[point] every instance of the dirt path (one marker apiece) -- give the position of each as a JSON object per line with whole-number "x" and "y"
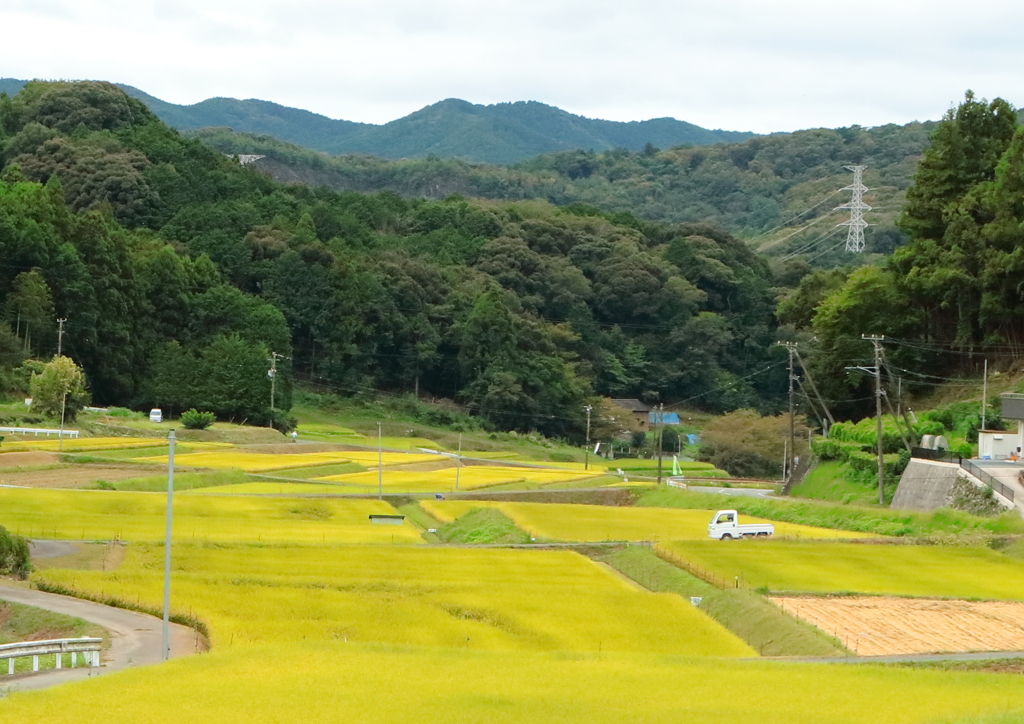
{"x": 135, "y": 638}
{"x": 887, "y": 626}
{"x": 75, "y": 476}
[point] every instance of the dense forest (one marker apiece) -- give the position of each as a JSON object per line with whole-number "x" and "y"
{"x": 779, "y": 191}
{"x": 180, "y": 272}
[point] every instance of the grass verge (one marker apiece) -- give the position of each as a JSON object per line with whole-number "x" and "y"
{"x": 828, "y": 481}
{"x": 844, "y": 517}
{"x": 763, "y": 625}
{"x": 182, "y": 481}
{"x": 483, "y": 525}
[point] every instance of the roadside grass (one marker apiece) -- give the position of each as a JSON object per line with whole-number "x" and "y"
{"x": 1015, "y": 550}
{"x": 898, "y": 570}
{"x": 828, "y": 481}
{"x": 644, "y": 466}
{"x": 590, "y": 523}
{"x": 1005, "y": 665}
{"x": 460, "y": 598}
{"x": 334, "y": 681}
{"x": 276, "y": 487}
{"x": 482, "y": 525}
{"x": 94, "y": 515}
{"x": 764, "y": 626}
{"x": 182, "y": 481}
{"x": 80, "y": 444}
{"x": 28, "y": 623}
{"x": 422, "y": 520}
{"x": 882, "y": 521}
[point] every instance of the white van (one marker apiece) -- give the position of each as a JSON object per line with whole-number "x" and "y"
{"x": 156, "y": 415}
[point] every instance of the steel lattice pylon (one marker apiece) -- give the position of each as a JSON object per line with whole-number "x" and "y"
{"x": 857, "y": 207}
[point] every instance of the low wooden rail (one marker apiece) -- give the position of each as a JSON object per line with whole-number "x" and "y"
{"x": 89, "y": 647}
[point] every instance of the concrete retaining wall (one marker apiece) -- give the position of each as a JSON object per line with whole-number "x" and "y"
{"x": 925, "y": 485}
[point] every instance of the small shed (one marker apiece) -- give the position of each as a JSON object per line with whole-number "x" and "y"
{"x": 384, "y": 519}
{"x": 641, "y": 412}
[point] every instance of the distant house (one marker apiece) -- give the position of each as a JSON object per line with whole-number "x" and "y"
{"x": 641, "y": 412}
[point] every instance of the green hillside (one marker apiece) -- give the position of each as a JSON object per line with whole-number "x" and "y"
{"x": 766, "y": 189}
{"x": 499, "y": 133}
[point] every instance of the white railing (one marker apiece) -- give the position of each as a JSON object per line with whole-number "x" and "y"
{"x": 58, "y": 648}
{"x": 37, "y": 431}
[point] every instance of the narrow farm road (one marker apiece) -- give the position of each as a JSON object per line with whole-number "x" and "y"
{"x": 135, "y": 638}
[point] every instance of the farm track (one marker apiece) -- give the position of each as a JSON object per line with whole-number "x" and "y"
{"x": 135, "y": 638}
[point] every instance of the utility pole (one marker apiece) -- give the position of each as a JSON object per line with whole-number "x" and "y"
{"x": 380, "y": 462}
{"x": 788, "y": 467}
{"x": 586, "y": 452}
{"x": 167, "y": 548}
{"x": 458, "y": 463}
{"x": 877, "y": 342}
{"x": 60, "y": 335}
{"x": 661, "y": 431}
{"x": 984, "y": 395}
{"x": 857, "y": 207}
{"x": 272, "y": 374}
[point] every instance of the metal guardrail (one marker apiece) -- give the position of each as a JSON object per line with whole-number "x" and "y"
{"x": 57, "y": 648}
{"x": 989, "y": 480}
{"x": 37, "y": 431}
{"x": 941, "y": 456}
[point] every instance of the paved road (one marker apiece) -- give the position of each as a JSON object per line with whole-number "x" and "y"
{"x": 135, "y": 638}
{"x": 51, "y": 548}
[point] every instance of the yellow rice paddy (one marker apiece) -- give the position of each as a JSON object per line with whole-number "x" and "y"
{"x": 599, "y": 522}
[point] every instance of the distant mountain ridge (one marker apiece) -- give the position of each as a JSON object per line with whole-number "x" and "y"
{"x": 499, "y": 133}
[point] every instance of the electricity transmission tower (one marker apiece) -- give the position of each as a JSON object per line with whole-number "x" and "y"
{"x": 857, "y": 207}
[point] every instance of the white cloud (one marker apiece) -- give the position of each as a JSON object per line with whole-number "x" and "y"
{"x": 735, "y": 64}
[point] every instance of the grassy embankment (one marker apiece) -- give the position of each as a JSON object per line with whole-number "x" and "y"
{"x": 881, "y": 521}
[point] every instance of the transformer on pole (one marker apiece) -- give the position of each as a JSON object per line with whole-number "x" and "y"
{"x": 857, "y": 207}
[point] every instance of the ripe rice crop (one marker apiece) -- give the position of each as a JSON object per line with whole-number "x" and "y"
{"x": 470, "y": 477}
{"x": 130, "y": 516}
{"x": 251, "y": 462}
{"x": 582, "y": 523}
{"x": 346, "y": 682}
{"x": 80, "y": 444}
{"x": 899, "y": 570}
{"x": 449, "y": 597}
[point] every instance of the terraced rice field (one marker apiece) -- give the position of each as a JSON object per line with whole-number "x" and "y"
{"x": 341, "y": 682}
{"x": 459, "y": 598}
{"x": 899, "y": 570}
{"x": 82, "y": 444}
{"x": 107, "y": 515}
{"x": 599, "y": 523}
{"x": 470, "y": 477}
{"x": 261, "y": 462}
{"x": 881, "y": 625}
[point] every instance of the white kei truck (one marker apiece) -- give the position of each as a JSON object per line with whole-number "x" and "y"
{"x": 723, "y": 526}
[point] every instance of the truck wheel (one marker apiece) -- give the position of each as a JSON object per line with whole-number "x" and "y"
{"x": 725, "y": 536}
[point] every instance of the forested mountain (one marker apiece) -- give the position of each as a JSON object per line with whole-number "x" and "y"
{"x": 179, "y": 271}
{"x": 452, "y": 128}
{"x": 764, "y": 189}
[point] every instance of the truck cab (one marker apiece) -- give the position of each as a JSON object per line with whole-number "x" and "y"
{"x": 724, "y": 525}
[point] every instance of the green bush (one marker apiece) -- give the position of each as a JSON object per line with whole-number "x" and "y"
{"x": 14, "y": 554}
{"x": 195, "y": 420}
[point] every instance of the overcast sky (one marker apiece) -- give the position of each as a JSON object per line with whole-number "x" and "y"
{"x": 732, "y": 64}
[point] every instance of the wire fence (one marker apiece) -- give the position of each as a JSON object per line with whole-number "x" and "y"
{"x": 699, "y": 571}
{"x": 989, "y": 480}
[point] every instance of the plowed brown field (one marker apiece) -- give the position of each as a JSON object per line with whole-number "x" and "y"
{"x": 881, "y": 625}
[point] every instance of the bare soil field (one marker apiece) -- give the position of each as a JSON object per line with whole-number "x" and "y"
{"x": 30, "y": 459}
{"x": 73, "y": 476}
{"x": 882, "y": 625}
